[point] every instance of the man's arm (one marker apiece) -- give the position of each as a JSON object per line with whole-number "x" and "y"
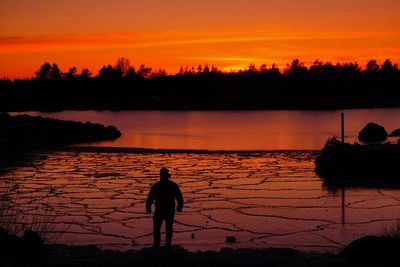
{"x": 179, "y": 198}
{"x": 150, "y": 200}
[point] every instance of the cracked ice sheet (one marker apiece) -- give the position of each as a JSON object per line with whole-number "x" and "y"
{"x": 270, "y": 199}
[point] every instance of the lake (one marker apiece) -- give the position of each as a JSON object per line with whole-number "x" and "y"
{"x": 231, "y": 130}
{"x": 270, "y": 198}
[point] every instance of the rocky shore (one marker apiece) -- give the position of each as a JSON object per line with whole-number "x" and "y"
{"x": 29, "y": 250}
{"x": 21, "y": 134}
{"x": 63, "y": 255}
{"x": 178, "y": 256}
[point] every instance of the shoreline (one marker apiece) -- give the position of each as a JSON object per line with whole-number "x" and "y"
{"x": 137, "y": 150}
{"x": 61, "y": 255}
{"x": 184, "y": 109}
{"x": 359, "y": 253}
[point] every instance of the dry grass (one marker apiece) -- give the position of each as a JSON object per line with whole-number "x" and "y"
{"x": 392, "y": 232}
{"x": 9, "y": 215}
{"x": 39, "y": 218}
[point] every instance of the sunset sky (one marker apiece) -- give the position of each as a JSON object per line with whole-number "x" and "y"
{"x": 166, "y": 34}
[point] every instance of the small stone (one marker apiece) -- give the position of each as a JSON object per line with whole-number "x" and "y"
{"x": 230, "y": 239}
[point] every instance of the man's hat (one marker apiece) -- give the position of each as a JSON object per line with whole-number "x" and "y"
{"x": 164, "y": 172}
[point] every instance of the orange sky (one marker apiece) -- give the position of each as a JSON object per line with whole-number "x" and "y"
{"x": 167, "y": 34}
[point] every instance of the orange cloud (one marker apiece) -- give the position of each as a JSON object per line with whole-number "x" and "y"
{"x": 229, "y": 49}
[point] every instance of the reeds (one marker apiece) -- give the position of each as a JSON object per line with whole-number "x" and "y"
{"x": 15, "y": 217}
{"x": 392, "y": 232}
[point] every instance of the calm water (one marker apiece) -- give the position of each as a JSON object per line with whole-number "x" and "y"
{"x": 236, "y": 130}
{"x": 264, "y": 199}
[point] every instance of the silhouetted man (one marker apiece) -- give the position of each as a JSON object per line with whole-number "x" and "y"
{"x": 164, "y": 192}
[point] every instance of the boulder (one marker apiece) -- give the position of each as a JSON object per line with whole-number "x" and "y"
{"x": 3, "y": 233}
{"x": 32, "y": 243}
{"x": 10, "y": 246}
{"x": 372, "y": 132}
{"x": 396, "y": 132}
{"x": 3, "y": 242}
{"x": 372, "y": 249}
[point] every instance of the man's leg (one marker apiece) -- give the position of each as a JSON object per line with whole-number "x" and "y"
{"x": 169, "y": 221}
{"x": 157, "y": 222}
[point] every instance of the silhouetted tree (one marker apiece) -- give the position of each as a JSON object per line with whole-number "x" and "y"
{"x": 317, "y": 67}
{"x": 47, "y": 72}
{"x": 159, "y": 73}
{"x": 44, "y": 71}
{"x": 349, "y": 68}
{"x": 123, "y": 65}
{"x": 372, "y": 66}
{"x": 186, "y": 71}
{"x": 200, "y": 69}
{"x": 296, "y": 68}
{"x": 85, "y": 74}
{"x": 144, "y": 72}
{"x": 214, "y": 69}
{"x": 206, "y": 69}
{"x": 110, "y": 73}
{"x": 387, "y": 67}
{"x": 252, "y": 68}
{"x": 131, "y": 73}
{"x": 72, "y": 73}
{"x": 274, "y": 69}
{"x": 263, "y": 68}
{"x": 55, "y": 73}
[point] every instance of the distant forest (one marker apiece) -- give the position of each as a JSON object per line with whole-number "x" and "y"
{"x": 322, "y": 85}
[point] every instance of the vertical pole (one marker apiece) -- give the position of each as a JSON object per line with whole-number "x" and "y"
{"x": 343, "y": 204}
{"x": 342, "y": 127}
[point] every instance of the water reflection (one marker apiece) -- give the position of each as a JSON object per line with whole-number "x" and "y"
{"x": 336, "y": 181}
{"x": 232, "y": 130}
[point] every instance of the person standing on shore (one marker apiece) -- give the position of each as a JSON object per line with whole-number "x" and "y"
{"x": 164, "y": 193}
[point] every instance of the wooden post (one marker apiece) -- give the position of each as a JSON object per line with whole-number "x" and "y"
{"x": 342, "y": 127}
{"x": 343, "y": 207}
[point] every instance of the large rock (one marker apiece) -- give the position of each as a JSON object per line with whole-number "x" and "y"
{"x": 372, "y": 249}
{"x": 33, "y": 244}
{"x": 14, "y": 249}
{"x": 3, "y": 242}
{"x": 372, "y": 132}
{"x": 396, "y": 132}
{"x": 10, "y": 246}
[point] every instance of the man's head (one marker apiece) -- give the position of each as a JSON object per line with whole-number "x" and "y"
{"x": 164, "y": 173}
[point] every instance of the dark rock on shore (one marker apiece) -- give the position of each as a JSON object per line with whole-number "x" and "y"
{"x": 372, "y": 133}
{"x": 14, "y": 249}
{"x": 33, "y": 244}
{"x": 396, "y": 132}
{"x": 373, "y": 249}
{"x": 59, "y": 255}
{"x": 366, "y": 251}
{"x": 19, "y": 135}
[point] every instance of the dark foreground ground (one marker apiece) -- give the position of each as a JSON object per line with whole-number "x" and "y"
{"x": 59, "y": 255}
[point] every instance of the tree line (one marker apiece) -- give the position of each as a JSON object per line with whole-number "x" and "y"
{"x": 124, "y": 70}
{"x": 321, "y": 85}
